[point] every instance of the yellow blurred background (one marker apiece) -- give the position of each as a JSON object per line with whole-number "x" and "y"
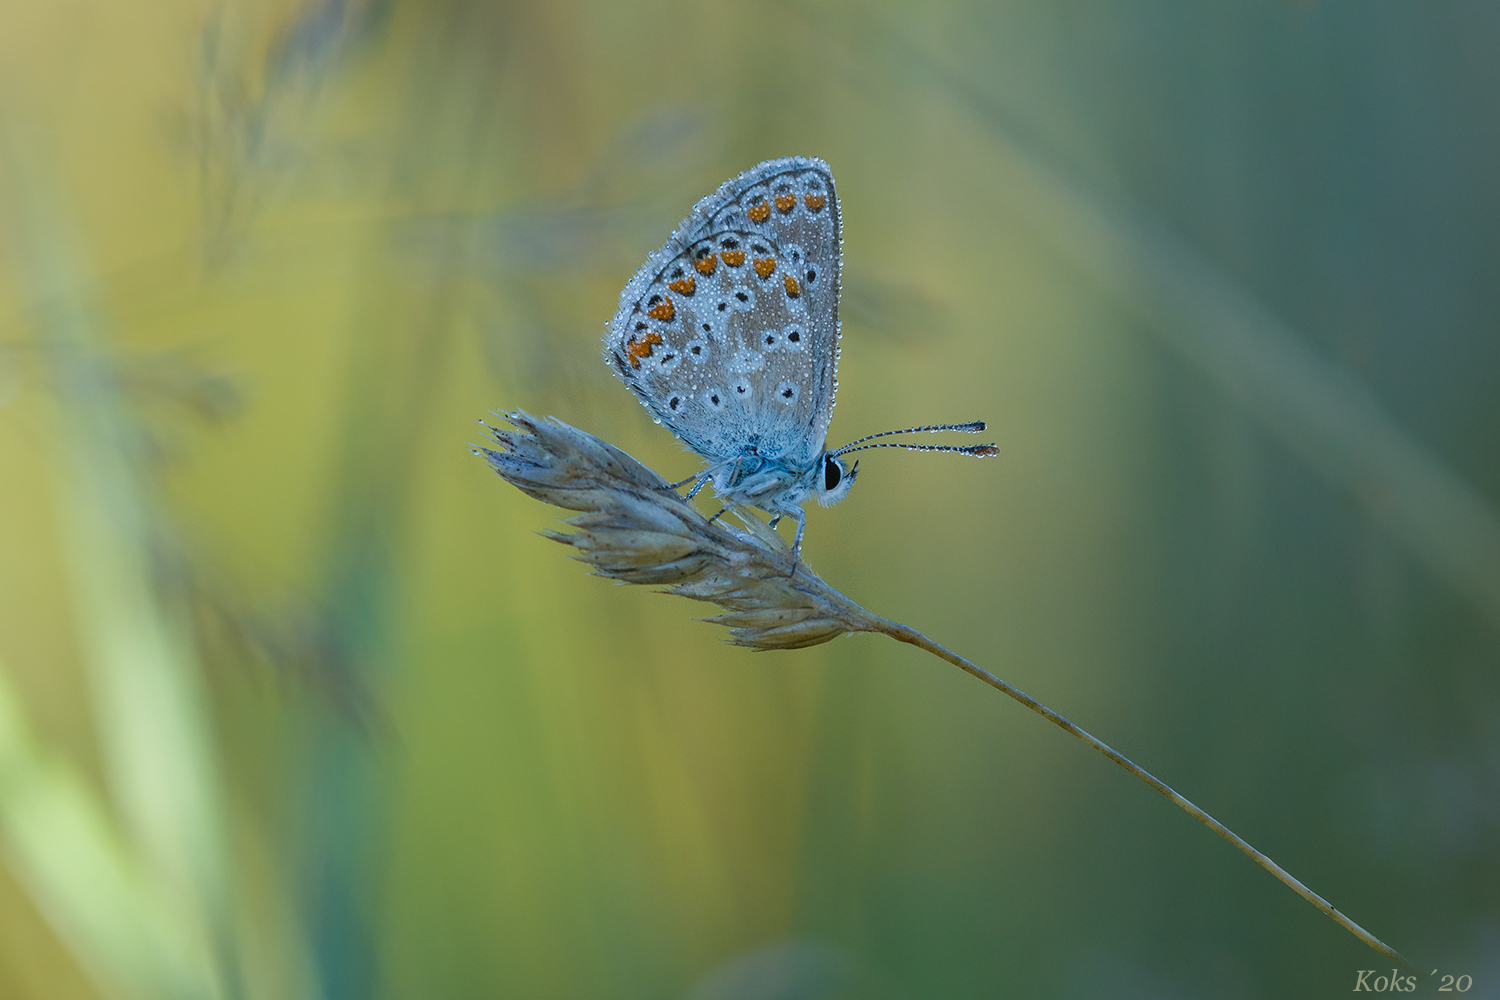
{"x": 295, "y": 703}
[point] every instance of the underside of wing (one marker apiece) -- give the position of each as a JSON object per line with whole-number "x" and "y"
{"x": 729, "y": 334}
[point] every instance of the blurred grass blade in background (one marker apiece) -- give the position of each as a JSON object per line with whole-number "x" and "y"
{"x": 63, "y": 848}
{"x": 148, "y": 703}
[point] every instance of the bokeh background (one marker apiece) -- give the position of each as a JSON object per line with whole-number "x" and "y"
{"x": 294, "y": 703}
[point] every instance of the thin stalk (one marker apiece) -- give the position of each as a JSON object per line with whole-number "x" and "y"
{"x": 903, "y": 633}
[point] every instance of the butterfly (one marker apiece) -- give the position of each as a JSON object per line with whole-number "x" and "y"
{"x": 729, "y": 335}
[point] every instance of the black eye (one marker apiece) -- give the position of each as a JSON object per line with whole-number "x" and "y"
{"x": 831, "y": 475}
{"x": 794, "y": 336}
{"x": 676, "y": 402}
{"x": 812, "y": 276}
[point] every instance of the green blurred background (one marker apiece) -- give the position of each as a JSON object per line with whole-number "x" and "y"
{"x": 294, "y": 703}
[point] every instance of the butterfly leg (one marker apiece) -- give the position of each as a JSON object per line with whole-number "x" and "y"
{"x": 801, "y": 516}
{"x": 712, "y": 475}
{"x": 678, "y": 486}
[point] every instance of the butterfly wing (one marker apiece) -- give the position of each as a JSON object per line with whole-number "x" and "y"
{"x": 729, "y": 333}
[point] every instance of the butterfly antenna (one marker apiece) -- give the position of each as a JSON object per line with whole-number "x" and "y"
{"x": 977, "y": 450}
{"x": 973, "y": 427}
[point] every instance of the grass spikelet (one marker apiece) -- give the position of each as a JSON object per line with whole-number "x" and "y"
{"x": 635, "y": 528}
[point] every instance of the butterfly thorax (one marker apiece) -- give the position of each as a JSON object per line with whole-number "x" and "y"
{"x": 772, "y": 484}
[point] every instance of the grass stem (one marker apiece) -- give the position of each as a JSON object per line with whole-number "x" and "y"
{"x": 903, "y": 633}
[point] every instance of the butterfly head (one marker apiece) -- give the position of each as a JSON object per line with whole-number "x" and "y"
{"x": 834, "y": 479}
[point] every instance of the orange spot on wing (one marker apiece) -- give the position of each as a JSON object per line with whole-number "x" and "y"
{"x": 663, "y": 311}
{"x": 734, "y": 258}
{"x": 638, "y": 348}
{"x": 814, "y": 202}
{"x": 684, "y": 286}
{"x": 707, "y": 265}
{"x": 786, "y": 202}
{"x": 759, "y": 212}
{"x": 764, "y": 266}
{"x": 791, "y": 287}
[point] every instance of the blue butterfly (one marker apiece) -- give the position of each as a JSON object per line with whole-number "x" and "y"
{"x": 729, "y": 334}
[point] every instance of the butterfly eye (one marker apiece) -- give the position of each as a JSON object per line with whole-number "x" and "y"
{"x": 832, "y": 474}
